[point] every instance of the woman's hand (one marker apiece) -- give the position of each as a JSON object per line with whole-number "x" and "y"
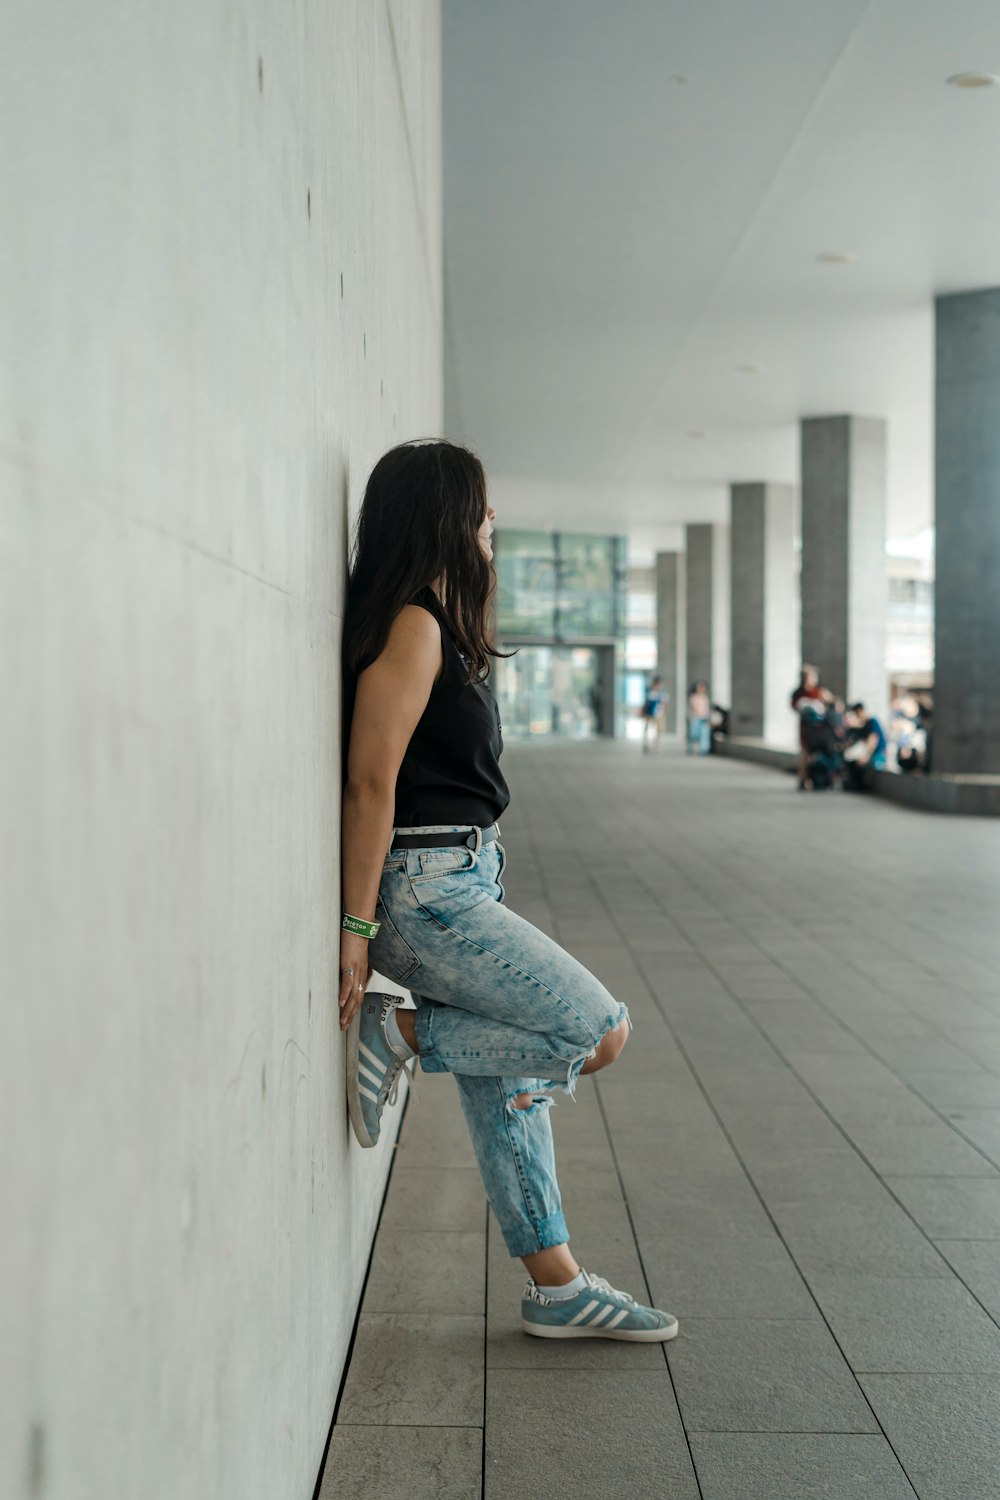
{"x": 355, "y": 972}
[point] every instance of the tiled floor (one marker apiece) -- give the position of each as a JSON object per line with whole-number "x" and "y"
{"x": 798, "y": 1154}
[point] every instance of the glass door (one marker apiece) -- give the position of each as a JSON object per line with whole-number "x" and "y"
{"x": 550, "y": 691}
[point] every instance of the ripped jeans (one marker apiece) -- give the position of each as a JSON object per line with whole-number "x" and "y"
{"x": 499, "y": 1005}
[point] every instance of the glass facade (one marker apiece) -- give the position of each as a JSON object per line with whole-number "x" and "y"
{"x": 561, "y": 606}
{"x": 552, "y": 691}
{"x": 525, "y": 563}
{"x": 560, "y": 586}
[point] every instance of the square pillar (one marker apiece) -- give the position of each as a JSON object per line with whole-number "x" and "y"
{"x": 844, "y": 586}
{"x": 967, "y": 506}
{"x": 670, "y": 624}
{"x": 764, "y": 625}
{"x": 707, "y": 609}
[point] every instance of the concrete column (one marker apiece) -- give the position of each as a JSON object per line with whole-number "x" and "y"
{"x": 764, "y": 611}
{"x": 670, "y": 630}
{"x": 844, "y": 588}
{"x": 967, "y": 490}
{"x": 707, "y": 609}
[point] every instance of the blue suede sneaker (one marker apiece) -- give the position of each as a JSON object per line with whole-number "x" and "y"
{"x": 373, "y": 1068}
{"x": 598, "y": 1312}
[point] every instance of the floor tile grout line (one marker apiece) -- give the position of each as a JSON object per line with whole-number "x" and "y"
{"x": 683, "y": 1051}
{"x": 645, "y": 1278}
{"x": 543, "y": 879}
{"x": 486, "y": 1342}
{"x": 345, "y": 1373}
{"x": 409, "y": 1426}
{"x": 779, "y": 963}
{"x": 784, "y": 1243}
{"x": 904, "y": 921}
{"x": 748, "y": 1014}
{"x": 775, "y": 1227}
{"x": 845, "y": 1026}
{"x": 861, "y": 1155}
{"x": 781, "y": 1432}
{"x": 814, "y": 945}
{"x": 844, "y": 1132}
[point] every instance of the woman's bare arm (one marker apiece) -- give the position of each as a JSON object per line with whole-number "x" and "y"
{"x": 392, "y": 694}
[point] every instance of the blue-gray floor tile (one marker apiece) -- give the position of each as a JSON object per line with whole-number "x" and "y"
{"x": 797, "y": 1466}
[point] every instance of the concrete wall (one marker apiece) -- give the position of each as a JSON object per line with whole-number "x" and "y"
{"x": 220, "y": 300}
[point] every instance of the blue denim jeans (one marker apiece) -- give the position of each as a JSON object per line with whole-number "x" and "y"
{"x": 699, "y": 736}
{"x": 499, "y": 1005}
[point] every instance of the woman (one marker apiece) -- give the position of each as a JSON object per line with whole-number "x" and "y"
{"x": 499, "y": 1004}
{"x": 699, "y": 707}
{"x": 807, "y": 701}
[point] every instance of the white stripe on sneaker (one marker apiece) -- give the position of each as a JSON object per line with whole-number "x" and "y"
{"x": 365, "y": 1072}
{"x": 372, "y": 1057}
{"x": 368, "y": 1093}
{"x": 605, "y": 1312}
{"x": 585, "y": 1312}
{"x": 618, "y": 1318}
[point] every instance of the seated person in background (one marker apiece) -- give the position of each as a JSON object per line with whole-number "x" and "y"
{"x": 835, "y": 711}
{"x": 927, "y": 724}
{"x": 866, "y": 746}
{"x": 720, "y": 720}
{"x": 906, "y": 734}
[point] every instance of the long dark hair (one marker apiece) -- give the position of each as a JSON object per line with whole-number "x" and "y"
{"x": 423, "y": 507}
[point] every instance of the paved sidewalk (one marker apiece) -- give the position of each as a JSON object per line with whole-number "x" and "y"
{"x": 798, "y": 1154}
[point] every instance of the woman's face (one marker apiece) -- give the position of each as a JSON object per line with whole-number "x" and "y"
{"x": 486, "y": 533}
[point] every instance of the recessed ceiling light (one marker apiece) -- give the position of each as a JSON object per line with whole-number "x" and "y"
{"x": 974, "y": 80}
{"x": 837, "y": 257}
{"x": 750, "y": 369}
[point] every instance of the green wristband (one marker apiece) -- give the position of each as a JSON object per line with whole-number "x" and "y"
{"x": 360, "y": 927}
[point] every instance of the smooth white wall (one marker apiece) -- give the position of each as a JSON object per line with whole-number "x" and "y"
{"x": 199, "y": 371}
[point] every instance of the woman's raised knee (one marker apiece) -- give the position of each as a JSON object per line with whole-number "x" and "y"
{"x": 608, "y": 1049}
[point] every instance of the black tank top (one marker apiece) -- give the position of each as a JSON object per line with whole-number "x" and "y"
{"x": 450, "y": 772}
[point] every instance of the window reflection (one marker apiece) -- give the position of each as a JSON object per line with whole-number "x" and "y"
{"x": 559, "y": 586}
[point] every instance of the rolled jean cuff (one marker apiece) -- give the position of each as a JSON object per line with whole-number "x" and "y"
{"x": 520, "y": 1240}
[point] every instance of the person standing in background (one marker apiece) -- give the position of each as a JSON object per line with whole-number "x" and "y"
{"x": 807, "y": 702}
{"x": 699, "y": 708}
{"x": 653, "y": 709}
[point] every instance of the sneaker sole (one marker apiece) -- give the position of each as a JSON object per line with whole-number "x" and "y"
{"x": 628, "y": 1335}
{"x": 353, "y": 1096}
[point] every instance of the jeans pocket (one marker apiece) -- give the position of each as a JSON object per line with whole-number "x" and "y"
{"x": 388, "y": 952}
{"x": 440, "y": 864}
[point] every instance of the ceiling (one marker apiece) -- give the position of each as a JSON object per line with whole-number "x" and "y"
{"x": 636, "y": 194}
